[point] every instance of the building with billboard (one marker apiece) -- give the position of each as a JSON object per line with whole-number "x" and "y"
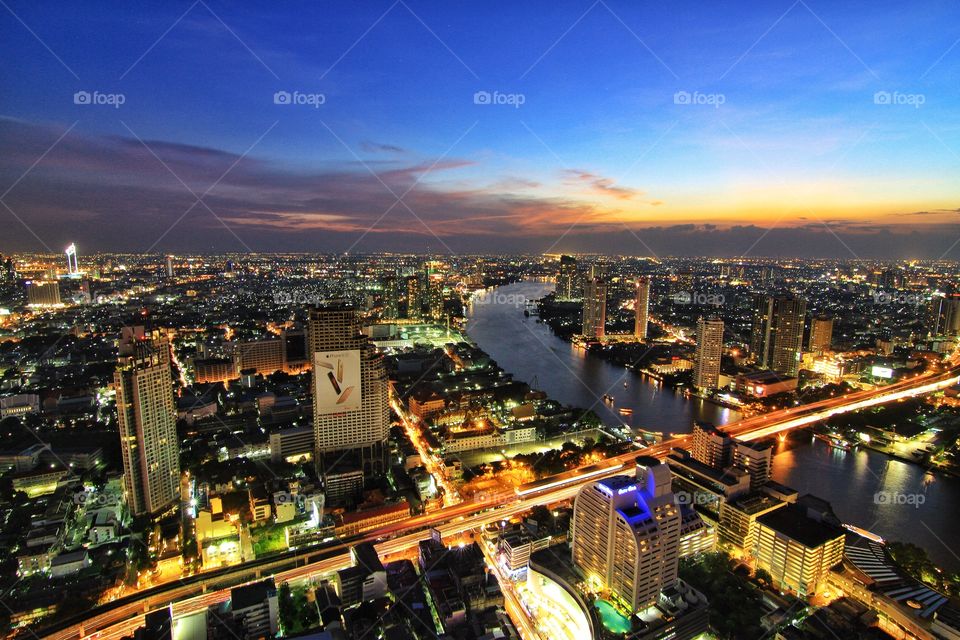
{"x": 351, "y": 414}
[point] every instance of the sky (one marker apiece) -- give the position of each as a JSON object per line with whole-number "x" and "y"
{"x": 775, "y": 128}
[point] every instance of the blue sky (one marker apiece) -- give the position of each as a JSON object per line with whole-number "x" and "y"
{"x": 785, "y": 131}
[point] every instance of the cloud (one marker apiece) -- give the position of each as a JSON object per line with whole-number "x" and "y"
{"x": 112, "y": 193}
{"x": 599, "y": 185}
{"x": 378, "y": 147}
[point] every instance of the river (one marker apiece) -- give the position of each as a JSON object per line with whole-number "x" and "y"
{"x": 894, "y": 499}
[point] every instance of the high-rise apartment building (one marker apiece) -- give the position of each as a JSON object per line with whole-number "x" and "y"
{"x": 777, "y": 334}
{"x": 594, "y": 308}
{"x": 821, "y": 334}
{"x": 706, "y": 367}
{"x": 567, "y": 278}
{"x": 147, "y": 420}
{"x": 351, "y": 414}
{"x": 711, "y": 446}
{"x": 626, "y": 534}
{"x": 391, "y": 299}
{"x": 641, "y": 308}
{"x": 414, "y": 301}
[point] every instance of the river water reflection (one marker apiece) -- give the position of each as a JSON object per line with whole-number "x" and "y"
{"x": 894, "y": 499}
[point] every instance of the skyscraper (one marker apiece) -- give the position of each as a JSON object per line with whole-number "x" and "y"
{"x": 706, "y": 368}
{"x": 943, "y": 315}
{"x": 821, "y": 334}
{"x": 777, "y": 337}
{"x": 73, "y": 268}
{"x": 147, "y": 420}
{"x": 641, "y": 308}
{"x": 351, "y": 415}
{"x": 626, "y": 534}
{"x": 169, "y": 266}
{"x": 413, "y": 297}
{"x": 594, "y": 308}
{"x": 567, "y": 278}
{"x": 391, "y": 299}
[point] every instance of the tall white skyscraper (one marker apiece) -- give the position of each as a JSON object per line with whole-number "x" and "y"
{"x": 351, "y": 414}
{"x": 626, "y": 534}
{"x": 147, "y": 418}
{"x": 641, "y": 308}
{"x": 594, "y": 308}
{"x": 706, "y": 367}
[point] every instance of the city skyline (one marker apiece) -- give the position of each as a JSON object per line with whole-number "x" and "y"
{"x": 787, "y": 130}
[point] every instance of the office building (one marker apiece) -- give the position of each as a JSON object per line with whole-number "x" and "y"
{"x": 73, "y": 266}
{"x": 626, "y": 534}
{"x": 821, "y": 334}
{"x": 43, "y": 293}
{"x": 943, "y": 315}
{"x": 641, "y": 308}
{"x": 737, "y": 527}
{"x": 777, "y": 333}
{"x": 168, "y": 266}
{"x": 351, "y": 414}
{"x": 147, "y": 421}
{"x": 256, "y": 609}
{"x": 797, "y": 549}
{"x": 567, "y": 279}
{"x": 706, "y": 368}
{"x": 594, "y": 309}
